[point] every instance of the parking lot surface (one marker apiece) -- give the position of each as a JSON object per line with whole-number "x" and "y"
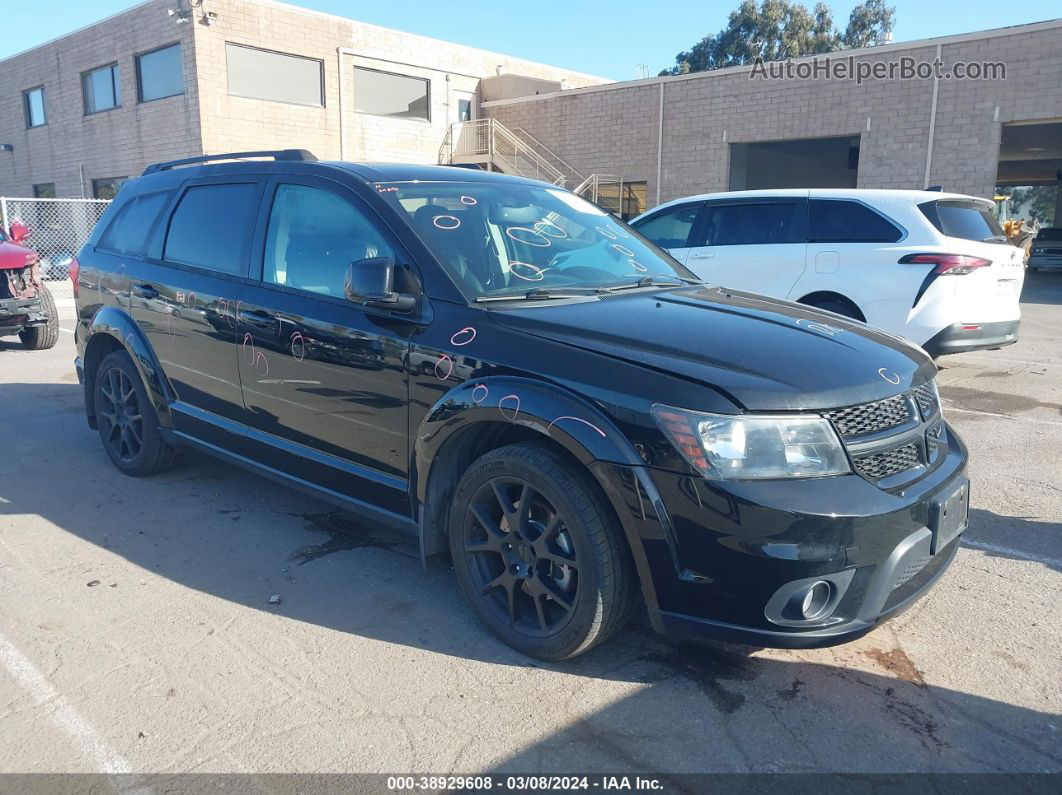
{"x": 137, "y": 634}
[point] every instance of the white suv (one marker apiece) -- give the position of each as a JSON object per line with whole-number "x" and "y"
{"x": 933, "y": 267}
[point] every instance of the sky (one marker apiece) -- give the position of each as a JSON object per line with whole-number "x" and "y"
{"x": 618, "y": 39}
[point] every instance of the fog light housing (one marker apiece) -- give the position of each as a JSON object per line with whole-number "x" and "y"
{"x": 816, "y": 597}
{"x": 809, "y": 602}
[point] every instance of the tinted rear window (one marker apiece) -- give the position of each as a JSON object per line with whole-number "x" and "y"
{"x": 135, "y": 223}
{"x": 1051, "y": 234}
{"x": 834, "y": 221}
{"x": 211, "y": 227}
{"x": 967, "y": 220}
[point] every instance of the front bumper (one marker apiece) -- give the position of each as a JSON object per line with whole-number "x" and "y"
{"x": 722, "y": 553}
{"x": 17, "y": 313}
{"x": 960, "y": 337}
{"x": 1045, "y": 263}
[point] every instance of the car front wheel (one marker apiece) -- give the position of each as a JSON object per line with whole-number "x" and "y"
{"x": 46, "y": 335}
{"x": 537, "y": 553}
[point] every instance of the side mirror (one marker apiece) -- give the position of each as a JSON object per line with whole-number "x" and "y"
{"x": 371, "y": 282}
{"x": 19, "y": 232}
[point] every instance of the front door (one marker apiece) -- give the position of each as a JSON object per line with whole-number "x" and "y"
{"x": 324, "y": 379}
{"x": 756, "y": 244}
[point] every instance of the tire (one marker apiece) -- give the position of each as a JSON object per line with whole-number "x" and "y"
{"x": 837, "y": 306}
{"x": 537, "y": 553}
{"x": 39, "y": 338}
{"x": 126, "y": 419}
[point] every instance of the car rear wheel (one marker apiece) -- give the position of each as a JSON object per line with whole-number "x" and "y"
{"x": 537, "y": 553}
{"x": 44, "y": 336}
{"x": 127, "y": 422}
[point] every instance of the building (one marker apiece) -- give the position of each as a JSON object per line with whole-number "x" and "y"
{"x": 166, "y": 80}
{"x": 733, "y": 129}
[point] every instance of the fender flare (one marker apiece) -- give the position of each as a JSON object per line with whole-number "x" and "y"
{"x": 117, "y": 324}
{"x": 553, "y": 412}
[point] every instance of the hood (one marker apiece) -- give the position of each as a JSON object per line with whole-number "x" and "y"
{"x": 12, "y": 256}
{"x": 763, "y": 354}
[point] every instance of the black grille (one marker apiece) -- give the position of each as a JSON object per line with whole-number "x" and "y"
{"x": 927, "y": 400}
{"x": 878, "y": 466}
{"x": 933, "y": 439}
{"x": 871, "y": 417}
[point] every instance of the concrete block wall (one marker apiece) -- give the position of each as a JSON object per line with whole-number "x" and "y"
{"x": 114, "y": 143}
{"x": 613, "y": 129}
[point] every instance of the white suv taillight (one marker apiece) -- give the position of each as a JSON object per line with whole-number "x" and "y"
{"x": 947, "y": 264}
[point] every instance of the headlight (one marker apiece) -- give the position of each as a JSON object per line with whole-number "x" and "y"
{"x": 740, "y": 447}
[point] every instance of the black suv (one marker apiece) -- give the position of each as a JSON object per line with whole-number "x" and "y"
{"x": 522, "y": 381}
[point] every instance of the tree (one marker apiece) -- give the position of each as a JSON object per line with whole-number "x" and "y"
{"x": 780, "y": 29}
{"x": 1037, "y": 201}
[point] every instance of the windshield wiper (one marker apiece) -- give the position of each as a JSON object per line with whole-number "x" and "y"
{"x": 645, "y": 281}
{"x": 542, "y": 294}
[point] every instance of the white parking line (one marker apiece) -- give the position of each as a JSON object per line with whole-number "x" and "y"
{"x": 67, "y": 330}
{"x": 1012, "y": 553}
{"x": 66, "y": 717}
{"x": 1034, "y": 420}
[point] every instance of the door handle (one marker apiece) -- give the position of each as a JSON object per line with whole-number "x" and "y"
{"x": 145, "y": 291}
{"x": 257, "y": 318}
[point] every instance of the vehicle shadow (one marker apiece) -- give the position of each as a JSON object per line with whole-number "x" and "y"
{"x": 683, "y": 707}
{"x": 1042, "y": 288}
{"x": 991, "y": 533}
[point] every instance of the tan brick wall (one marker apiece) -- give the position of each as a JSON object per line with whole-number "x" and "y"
{"x": 614, "y": 130}
{"x": 115, "y": 143}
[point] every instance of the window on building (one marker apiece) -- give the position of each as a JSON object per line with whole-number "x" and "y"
{"x": 107, "y": 187}
{"x": 464, "y": 110}
{"x": 101, "y": 89}
{"x": 833, "y": 221}
{"x": 34, "y": 100}
{"x": 313, "y": 237}
{"x": 131, "y": 230}
{"x": 160, "y": 73}
{"x": 275, "y": 76}
{"x": 44, "y": 190}
{"x": 211, "y": 227}
{"x": 387, "y": 94}
{"x": 670, "y": 228}
{"x": 752, "y": 223}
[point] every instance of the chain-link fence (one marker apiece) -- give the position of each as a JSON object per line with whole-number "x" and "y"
{"x": 58, "y": 228}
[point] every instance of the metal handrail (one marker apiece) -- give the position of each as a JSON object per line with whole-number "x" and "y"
{"x": 492, "y": 138}
{"x": 575, "y": 172}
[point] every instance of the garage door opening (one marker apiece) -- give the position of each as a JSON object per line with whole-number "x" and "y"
{"x": 800, "y": 163}
{"x": 1029, "y": 180}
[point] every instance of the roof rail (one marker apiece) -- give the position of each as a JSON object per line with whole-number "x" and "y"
{"x": 300, "y": 155}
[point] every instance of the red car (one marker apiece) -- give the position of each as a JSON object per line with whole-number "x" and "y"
{"x": 26, "y": 306}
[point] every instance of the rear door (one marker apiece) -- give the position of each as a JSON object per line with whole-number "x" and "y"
{"x": 671, "y": 227}
{"x": 754, "y": 244}
{"x": 184, "y": 297}
{"x": 324, "y": 379}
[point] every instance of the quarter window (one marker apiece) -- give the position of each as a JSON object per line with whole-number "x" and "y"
{"x": 34, "y": 101}
{"x": 274, "y": 76}
{"x": 211, "y": 227}
{"x": 314, "y": 235}
{"x": 133, "y": 226}
{"x": 388, "y": 94}
{"x": 752, "y": 223}
{"x": 160, "y": 73}
{"x": 670, "y": 228}
{"x": 832, "y": 221}
{"x": 101, "y": 89}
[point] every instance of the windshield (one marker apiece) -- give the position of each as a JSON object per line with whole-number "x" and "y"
{"x": 499, "y": 239}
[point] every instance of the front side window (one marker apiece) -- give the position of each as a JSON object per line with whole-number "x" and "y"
{"x": 44, "y": 190}
{"x": 497, "y": 239}
{"x": 133, "y": 226}
{"x": 211, "y": 227}
{"x": 836, "y": 221}
{"x": 388, "y": 94}
{"x": 107, "y": 187}
{"x": 274, "y": 76}
{"x": 752, "y": 224}
{"x": 101, "y": 89}
{"x": 160, "y": 73}
{"x": 670, "y": 228}
{"x": 35, "y": 113}
{"x": 314, "y": 236}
